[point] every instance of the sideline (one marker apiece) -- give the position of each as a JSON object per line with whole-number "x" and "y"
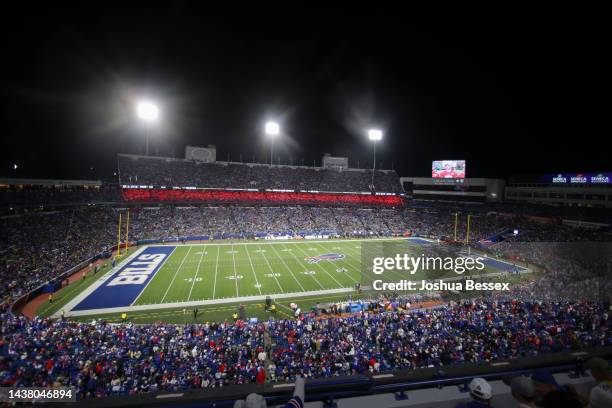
{"x": 191, "y": 303}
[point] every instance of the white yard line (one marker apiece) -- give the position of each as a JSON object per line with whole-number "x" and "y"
{"x": 216, "y": 269}
{"x": 306, "y": 269}
{"x": 258, "y": 286}
{"x": 271, "y": 271}
{"x": 196, "y": 274}
{"x": 235, "y": 276}
{"x": 345, "y": 260}
{"x": 289, "y": 269}
{"x": 325, "y": 270}
{"x": 175, "y": 274}
{"x": 70, "y": 305}
{"x": 394, "y": 272}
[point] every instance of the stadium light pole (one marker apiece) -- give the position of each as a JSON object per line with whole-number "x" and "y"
{"x": 272, "y": 129}
{"x": 374, "y": 135}
{"x": 148, "y": 112}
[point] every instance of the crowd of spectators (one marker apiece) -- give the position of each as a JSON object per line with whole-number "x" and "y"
{"x": 36, "y": 247}
{"x": 560, "y": 310}
{"x": 102, "y": 359}
{"x": 573, "y": 269}
{"x": 187, "y": 173}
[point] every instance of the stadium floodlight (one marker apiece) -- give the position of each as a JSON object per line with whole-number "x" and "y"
{"x": 148, "y": 112}
{"x": 272, "y": 129}
{"x": 374, "y": 135}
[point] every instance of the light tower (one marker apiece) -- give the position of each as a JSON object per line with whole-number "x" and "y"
{"x": 374, "y": 135}
{"x": 272, "y": 129}
{"x": 148, "y": 112}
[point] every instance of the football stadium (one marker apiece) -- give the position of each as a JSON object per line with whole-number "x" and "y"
{"x": 165, "y": 242}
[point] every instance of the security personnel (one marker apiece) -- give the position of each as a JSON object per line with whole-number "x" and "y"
{"x": 123, "y": 317}
{"x": 235, "y": 316}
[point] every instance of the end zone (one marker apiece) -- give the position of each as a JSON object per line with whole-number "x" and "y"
{"x": 121, "y": 286}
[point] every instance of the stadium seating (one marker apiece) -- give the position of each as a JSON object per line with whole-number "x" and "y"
{"x": 139, "y": 170}
{"x": 102, "y": 359}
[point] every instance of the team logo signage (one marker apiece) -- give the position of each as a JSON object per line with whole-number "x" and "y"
{"x": 124, "y": 285}
{"x": 324, "y": 257}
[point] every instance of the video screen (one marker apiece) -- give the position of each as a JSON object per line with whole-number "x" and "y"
{"x": 454, "y": 169}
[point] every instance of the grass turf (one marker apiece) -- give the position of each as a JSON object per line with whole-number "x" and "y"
{"x": 237, "y": 269}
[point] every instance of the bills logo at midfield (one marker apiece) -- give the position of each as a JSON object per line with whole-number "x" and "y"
{"x": 325, "y": 257}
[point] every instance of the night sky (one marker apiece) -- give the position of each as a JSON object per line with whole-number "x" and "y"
{"x": 510, "y": 91}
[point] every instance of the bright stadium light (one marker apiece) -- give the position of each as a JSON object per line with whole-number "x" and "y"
{"x": 374, "y": 135}
{"x": 147, "y": 111}
{"x": 272, "y": 129}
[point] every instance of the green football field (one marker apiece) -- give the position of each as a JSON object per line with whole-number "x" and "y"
{"x": 216, "y": 277}
{"x": 208, "y": 272}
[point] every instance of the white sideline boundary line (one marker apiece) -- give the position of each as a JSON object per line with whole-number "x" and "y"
{"x": 191, "y": 303}
{"x": 81, "y": 296}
